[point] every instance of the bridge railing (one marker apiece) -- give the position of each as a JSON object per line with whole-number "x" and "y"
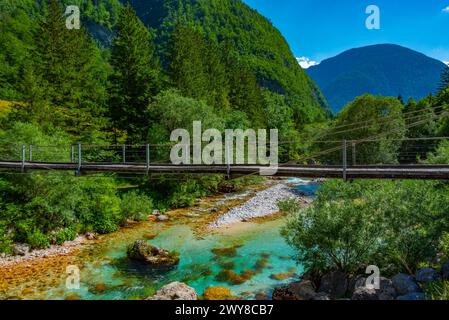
{"x": 338, "y": 153}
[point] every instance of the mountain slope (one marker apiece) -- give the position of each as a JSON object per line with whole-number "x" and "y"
{"x": 384, "y": 69}
{"x": 254, "y": 38}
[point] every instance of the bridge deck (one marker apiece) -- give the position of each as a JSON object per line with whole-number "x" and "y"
{"x": 436, "y": 172}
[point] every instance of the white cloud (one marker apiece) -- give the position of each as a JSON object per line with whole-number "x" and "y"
{"x": 306, "y": 63}
{"x": 446, "y": 10}
{"x": 446, "y": 62}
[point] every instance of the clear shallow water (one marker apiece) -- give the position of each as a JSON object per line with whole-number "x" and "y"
{"x": 260, "y": 251}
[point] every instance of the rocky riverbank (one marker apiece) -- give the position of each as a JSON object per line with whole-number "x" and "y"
{"x": 263, "y": 204}
{"x": 337, "y": 285}
{"x": 23, "y": 253}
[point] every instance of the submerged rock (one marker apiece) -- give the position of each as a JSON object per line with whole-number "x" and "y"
{"x": 226, "y": 252}
{"x": 233, "y": 278}
{"x": 282, "y": 276}
{"x": 218, "y": 293}
{"x": 175, "y": 291}
{"x": 144, "y": 252}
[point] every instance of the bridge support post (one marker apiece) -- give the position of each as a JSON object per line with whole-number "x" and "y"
{"x": 23, "y": 157}
{"x": 124, "y": 153}
{"x": 354, "y": 156}
{"x": 228, "y": 160}
{"x": 345, "y": 160}
{"x": 30, "y": 153}
{"x": 147, "y": 152}
{"x": 72, "y": 154}
{"x": 78, "y": 170}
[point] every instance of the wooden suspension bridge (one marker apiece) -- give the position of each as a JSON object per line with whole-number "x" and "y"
{"x": 146, "y": 167}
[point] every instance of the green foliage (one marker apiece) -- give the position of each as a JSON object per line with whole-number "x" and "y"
{"x": 17, "y": 24}
{"x": 250, "y": 40}
{"x": 104, "y": 12}
{"x": 37, "y": 240}
{"x": 441, "y": 154}
{"x": 5, "y": 241}
{"x": 443, "y": 246}
{"x": 288, "y": 206}
{"x": 371, "y": 118}
{"x": 136, "y": 206}
{"x": 69, "y": 68}
{"x": 394, "y": 225}
{"x": 66, "y": 234}
{"x": 438, "y": 290}
{"x": 135, "y": 77}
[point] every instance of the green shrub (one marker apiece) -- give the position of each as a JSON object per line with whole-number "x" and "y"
{"x": 288, "y": 206}
{"x": 438, "y": 290}
{"x": 5, "y": 241}
{"x": 38, "y": 240}
{"x": 66, "y": 234}
{"x": 136, "y": 206}
{"x": 394, "y": 225}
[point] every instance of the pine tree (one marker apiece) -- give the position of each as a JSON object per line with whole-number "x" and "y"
{"x": 71, "y": 71}
{"x": 136, "y": 75}
{"x": 218, "y": 89}
{"x": 188, "y": 68}
{"x": 245, "y": 93}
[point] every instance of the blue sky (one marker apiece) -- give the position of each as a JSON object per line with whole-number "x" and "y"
{"x": 322, "y": 29}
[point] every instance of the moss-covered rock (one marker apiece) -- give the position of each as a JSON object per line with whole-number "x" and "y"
{"x": 152, "y": 255}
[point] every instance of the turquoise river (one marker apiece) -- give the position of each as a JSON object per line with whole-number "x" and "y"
{"x": 254, "y": 251}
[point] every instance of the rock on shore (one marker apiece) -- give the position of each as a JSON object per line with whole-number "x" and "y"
{"x": 175, "y": 291}
{"x": 264, "y": 203}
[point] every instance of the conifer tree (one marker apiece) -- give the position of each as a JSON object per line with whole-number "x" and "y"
{"x": 188, "y": 69}
{"x": 71, "y": 71}
{"x": 136, "y": 75}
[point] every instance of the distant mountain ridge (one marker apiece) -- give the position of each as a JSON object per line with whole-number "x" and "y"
{"x": 384, "y": 69}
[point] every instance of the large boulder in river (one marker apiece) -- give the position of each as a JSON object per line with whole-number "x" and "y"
{"x": 154, "y": 256}
{"x": 175, "y": 291}
{"x": 405, "y": 284}
{"x": 301, "y": 290}
{"x": 335, "y": 284}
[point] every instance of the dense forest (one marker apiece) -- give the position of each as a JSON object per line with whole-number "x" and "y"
{"x": 127, "y": 78}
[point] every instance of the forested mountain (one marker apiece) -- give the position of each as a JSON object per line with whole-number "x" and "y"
{"x": 385, "y": 69}
{"x": 251, "y": 36}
